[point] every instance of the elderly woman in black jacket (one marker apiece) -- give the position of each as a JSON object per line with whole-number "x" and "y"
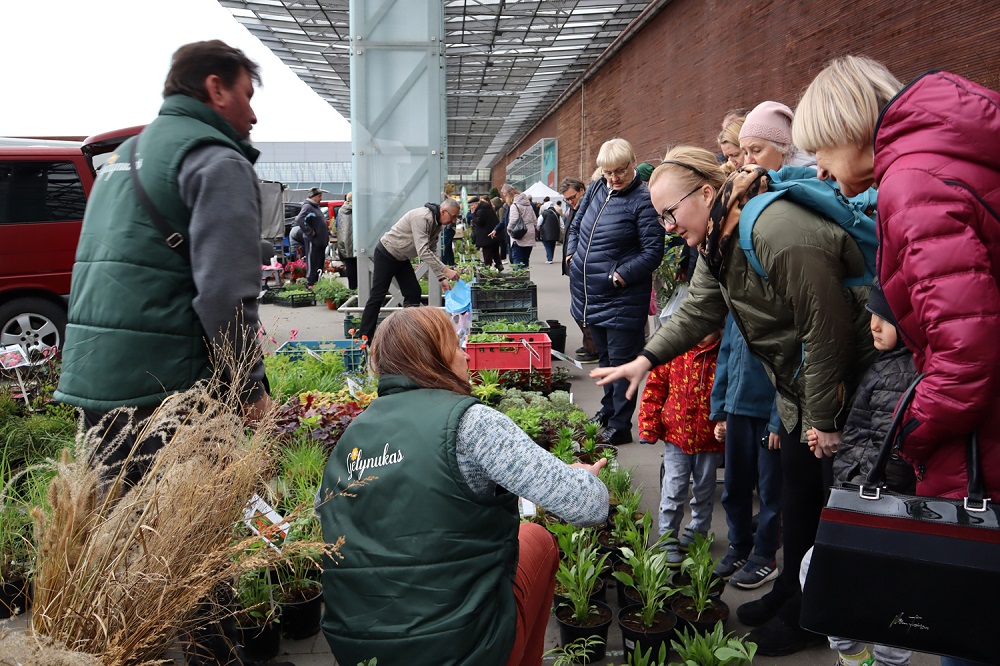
{"x": 613, "y": 246}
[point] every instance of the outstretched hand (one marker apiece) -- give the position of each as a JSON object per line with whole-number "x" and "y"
{"x": 633, "y": 371}
{"x": 593, "y": 469}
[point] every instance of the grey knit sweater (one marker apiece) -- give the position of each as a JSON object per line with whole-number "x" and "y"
{"x": 492, "y": 451}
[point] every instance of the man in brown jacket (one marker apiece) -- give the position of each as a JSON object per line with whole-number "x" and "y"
{"x": 414, "y": 235}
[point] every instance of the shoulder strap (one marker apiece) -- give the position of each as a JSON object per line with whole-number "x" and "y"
{"x": 175, "y": 241}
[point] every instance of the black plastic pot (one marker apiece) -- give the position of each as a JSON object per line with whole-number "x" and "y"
{"x": 569, "y": 632}
{"x": 260, "y": 642}
{"x": 557, "y": 333}
{"x": 680, "y": 579}
{"x": 717, "y": 611}
{"x": 633, "y": 631}
{"x": 600, "y": 593}
{"x": 300, "y": 619}
{"x": 13, "y": 598}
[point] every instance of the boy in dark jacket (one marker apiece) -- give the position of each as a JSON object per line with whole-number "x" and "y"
{"x": 863, "y": 436}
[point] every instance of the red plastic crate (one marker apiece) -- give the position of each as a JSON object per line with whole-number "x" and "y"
{"x": 525, "y": 351}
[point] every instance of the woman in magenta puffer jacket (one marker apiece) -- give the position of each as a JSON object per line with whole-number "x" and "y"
{"x": 931, "y": 149}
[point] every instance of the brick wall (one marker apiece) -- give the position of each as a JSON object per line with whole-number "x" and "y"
{"x": 696, "y": 59}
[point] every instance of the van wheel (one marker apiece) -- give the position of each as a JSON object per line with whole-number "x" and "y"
{"x": 33, "y": 323}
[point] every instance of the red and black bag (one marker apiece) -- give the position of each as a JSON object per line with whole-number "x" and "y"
{"x": 921, "y": 573}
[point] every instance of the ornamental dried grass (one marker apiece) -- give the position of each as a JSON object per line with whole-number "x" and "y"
{"x": 20, "y": 649}
{"x": 120, "y": 570}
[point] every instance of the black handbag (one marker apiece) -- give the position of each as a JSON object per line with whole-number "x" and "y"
{"x": 921, "y": 573}
{"x": 518, "y": 228}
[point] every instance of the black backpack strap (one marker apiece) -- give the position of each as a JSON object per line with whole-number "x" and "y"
{"x": 175, "y": 241}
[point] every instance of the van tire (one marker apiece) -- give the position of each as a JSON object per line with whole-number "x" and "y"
{"x": 32, "y": 323}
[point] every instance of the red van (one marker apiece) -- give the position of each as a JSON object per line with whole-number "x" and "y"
{"x": 43, "y": 195}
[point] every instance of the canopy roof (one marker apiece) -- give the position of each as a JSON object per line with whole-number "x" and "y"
{"x": 507, "y": 60}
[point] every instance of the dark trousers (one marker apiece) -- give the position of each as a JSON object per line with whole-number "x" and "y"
{"x": 315, "y": 259}
{"x": 519, "y": 255}
{"x": 588, "y": 339}
{"x": 491, "y": 255}
{"x": 615, "y": 347}
{"x": 385, "y": 269}
{"x": 750, "y": 463}
{"x": 351, "y": 265}
{"x": 804, "y": 483}
{"x": 550, "y": 249}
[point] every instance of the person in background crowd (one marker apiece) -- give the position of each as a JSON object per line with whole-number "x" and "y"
{"x": 503, "y": 243}
{"x": 743, "y": 397}
{"x": 549, "y": 230}
{"x": 448, "y": 244}
{"x": 345, "y": 240}
{"x": 484, "y": 220}
{"x": 315, "y": 233}
{"x": 729, "y": 144}
{"x": 414, "y": 235}
{"x": 128, "y": 347}
{"x": 766, "y": 138}
{"x": 519, "y": 208}
{"x": 801, "y": 311}
{"x": 674, "y": 408}
{"x": 614, "y": 245}
{"x": 928, "y": 148}
{"x": 434, "y": 528}
{"x": 572, "y": 190}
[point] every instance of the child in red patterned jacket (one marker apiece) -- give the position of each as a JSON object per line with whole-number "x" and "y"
{"x": 675, "y": 408}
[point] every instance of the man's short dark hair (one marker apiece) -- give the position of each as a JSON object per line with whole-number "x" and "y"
{"x": 193, "y": 62}
{"x": 574, "y": 183}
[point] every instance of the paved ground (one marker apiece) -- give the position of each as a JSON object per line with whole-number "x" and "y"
{"x": 317, "y": 323}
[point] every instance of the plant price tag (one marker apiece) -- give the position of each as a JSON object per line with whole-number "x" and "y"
{"x": 527, "y": 508}
{"x": 264, "y": 521}
{"x": 562, "y": 357}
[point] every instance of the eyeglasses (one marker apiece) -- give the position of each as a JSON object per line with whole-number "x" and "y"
{"x": 618, "y": 173}
{"x": 571, "y": 198}
{"x": 667, "y": 216}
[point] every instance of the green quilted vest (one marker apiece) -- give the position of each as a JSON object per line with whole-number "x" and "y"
{"x": 132, "y": 336}
{"x": 428, "y": 566}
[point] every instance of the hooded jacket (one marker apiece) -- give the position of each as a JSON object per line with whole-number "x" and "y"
{"x": 809, "y": 331}
{"x": 614, "y": 231}
{"x": 939, "y": 264}
{"x": 312, "y": 221}
{"x": 345, "y": 231}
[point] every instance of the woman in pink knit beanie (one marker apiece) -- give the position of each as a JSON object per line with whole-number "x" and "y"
{"x": 766, "y": 137}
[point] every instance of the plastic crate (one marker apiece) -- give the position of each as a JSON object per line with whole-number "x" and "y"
{"x": 521, "y": 278}
{"x": 295, "y": 299}
{"x": 508, "y": 299}
{"x": 524, "y": 351}
{"x": 267, "y": 295}
{"x": 479, "y": 317}
{"x": 354, "y": 355}
{"x": 484, "y": 327}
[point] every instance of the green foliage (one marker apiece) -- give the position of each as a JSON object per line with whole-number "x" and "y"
{"x": 504, "y": 326}
{"x": 564, "y": 449}
{"x": 296, "y": 285}
{"x": 527, "y": 419}
{"x": 640, "y": 658}
{"x": 302, "y": 465}
{"x": 665, "y": 279}
{"x": 713, "y": 649}
{"x": 34, "y": 436}
{"x": 290, "y": 377}
{"x": 487, "y": 388}
{"x": 699, "y": 565}
{"x": 618, "y": 479}
{"x": 494, "y": 193}
{"x": 577, "y": 652}
{"x": 329, "y": 288}
{"x": 487, "y": 337}
{"x": 254, "y": 597}
{"x": 650, "y": 574}
{"x": 563, "y": 533}
{"x": 578, "y": 573}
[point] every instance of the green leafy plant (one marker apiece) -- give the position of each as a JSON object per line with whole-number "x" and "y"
{"x": 564, "y": 448}
{"x": 699, "y": 566}
{"x": 640, "y": 658}
{"x": 487, "y": 337}
{"x": 504, "y": 326}
{"x": 329, "y": 288}
{"x": 578, "y": 574}
{"x": 254, "y": 598}
{"x": 577, "y": 652}
{"x": 563, "y": 532}
{"x": 715, "y": 648}
{"x": 487, "y": 386}
{"x": 618, "y": 479}
{"x": 650, "y": 574}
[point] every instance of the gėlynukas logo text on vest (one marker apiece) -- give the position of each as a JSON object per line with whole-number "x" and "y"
{"x": 357, "y": 463}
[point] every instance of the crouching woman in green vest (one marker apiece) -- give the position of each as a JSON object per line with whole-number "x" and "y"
{"x": 436, "y": 568}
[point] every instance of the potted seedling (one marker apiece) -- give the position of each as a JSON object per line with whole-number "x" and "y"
{"x": 581, "y": 617}
{"x": 487, "y": 386}
{"x": 564, "y": 448}
{"x": 576, "y": 652}
{"x": 256, "y": 615}
{"x": 696, "y": 606}
{"x": 648, "y": 621}
{"x": 714, "y": 648}
{"x": 328, "y": 288}
{"x": 624, "y": 520}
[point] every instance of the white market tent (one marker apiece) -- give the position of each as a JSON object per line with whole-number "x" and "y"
{"x": 540, "y": 190}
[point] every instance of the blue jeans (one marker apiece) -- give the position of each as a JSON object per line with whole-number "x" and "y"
{"x": 678, "y": 467}
{"x": 750, "y": 463}
{"x": 617, "y": 346}
{"x": 519, "y": 255}
{"x": 550, "y": 250}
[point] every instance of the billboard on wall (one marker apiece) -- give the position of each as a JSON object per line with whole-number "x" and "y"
{"x": 549, "y": 162}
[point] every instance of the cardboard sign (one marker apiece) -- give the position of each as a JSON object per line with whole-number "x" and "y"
{"x": 264, "y": 521}
{"x": 13, "y": 356}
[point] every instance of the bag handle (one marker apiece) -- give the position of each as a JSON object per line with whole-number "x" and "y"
{"x": 872, "y": 487}
{"x": 174, "y": 240}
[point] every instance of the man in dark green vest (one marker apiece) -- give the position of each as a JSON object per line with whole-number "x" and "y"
{"x": 168, "y": 264}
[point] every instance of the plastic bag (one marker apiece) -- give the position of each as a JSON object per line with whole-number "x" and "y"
{"x": 674, "y": 304}
{"x": 458, "y": 298}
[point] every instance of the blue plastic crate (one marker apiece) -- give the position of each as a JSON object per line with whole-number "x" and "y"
{"x": 354, "y": 355}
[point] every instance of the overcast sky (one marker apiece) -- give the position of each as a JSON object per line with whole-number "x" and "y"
{"x": 82, "y": 67}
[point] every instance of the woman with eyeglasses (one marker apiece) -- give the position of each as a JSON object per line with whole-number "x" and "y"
{"x": 613, "y": 247}
{"x": 807, "y": 328}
